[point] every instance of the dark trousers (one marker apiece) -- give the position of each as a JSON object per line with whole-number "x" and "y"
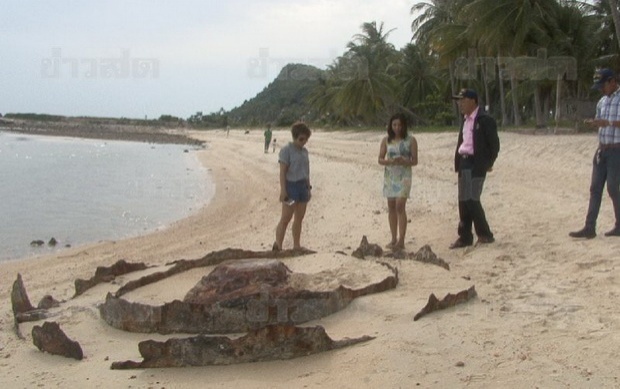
{"x": 470, "y": 208}
{"x": 605, "y": 168}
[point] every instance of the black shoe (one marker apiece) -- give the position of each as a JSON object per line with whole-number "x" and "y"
{"x": 458, "y": 244}
{"x": 486, "y": 239}
{"x": 614, "y": 232}
{"x": 585, "y": 232}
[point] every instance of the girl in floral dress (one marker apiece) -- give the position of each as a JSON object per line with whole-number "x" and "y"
{"x": 398, "y": 153}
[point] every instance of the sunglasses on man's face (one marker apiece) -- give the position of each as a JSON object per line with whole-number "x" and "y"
{"x": 302, "y": 139}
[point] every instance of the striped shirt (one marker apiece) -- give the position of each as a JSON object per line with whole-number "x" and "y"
{"x": 608, "y": 108}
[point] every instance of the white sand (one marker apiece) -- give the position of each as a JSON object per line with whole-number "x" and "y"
{"x": 546, "y": 314}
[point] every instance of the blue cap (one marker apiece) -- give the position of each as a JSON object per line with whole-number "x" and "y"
{"x": 601, "y": 76}
{"x": 466, "y": 94}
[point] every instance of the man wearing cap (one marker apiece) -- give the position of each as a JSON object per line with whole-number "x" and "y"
{"x": 606, "y": 163}
{"x": 476, "y": 152}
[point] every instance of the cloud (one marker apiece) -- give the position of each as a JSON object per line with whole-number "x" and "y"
{"x": 205, "y": 49}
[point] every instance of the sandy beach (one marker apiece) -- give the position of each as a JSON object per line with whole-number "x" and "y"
{"x": 545, "y": 315}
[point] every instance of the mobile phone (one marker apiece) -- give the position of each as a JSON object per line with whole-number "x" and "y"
{"x": 288, "y": 201}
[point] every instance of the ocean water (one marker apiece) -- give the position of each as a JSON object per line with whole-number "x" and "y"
{"x": 81, "y": 191}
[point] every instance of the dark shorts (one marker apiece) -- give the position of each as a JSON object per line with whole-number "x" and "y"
{"x": 298, "y": 191}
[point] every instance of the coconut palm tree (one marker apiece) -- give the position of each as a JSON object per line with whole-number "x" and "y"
{"x": 417, "y": 74}
{"x": 362, "y": 85}
{"x": 615, "y": 14}
{"x": 438, "y": 29}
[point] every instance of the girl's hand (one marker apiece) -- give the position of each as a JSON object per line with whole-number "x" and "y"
{"x": 283, "y": 196}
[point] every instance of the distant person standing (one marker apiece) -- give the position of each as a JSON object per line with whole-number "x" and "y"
{"x": 606, "y": 162}
{"x": 295, "y": 188}
{"x": 398, "y": 153}
{"x": 274, "y": 145}
{"x": 476, "y": 151}
{"x": 267, "y": 134}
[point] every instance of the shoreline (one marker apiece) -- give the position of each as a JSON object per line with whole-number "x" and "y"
{"x": 27, "y": 251}
{"x": 545, "y": 313}
{"x": 145, "y": 135}
{"x": 82, "y": 129}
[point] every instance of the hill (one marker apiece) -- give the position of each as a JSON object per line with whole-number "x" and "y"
{"x": 283, "y": 101}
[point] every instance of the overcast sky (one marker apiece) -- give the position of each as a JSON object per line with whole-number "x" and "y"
{"x": 137, "y": 58}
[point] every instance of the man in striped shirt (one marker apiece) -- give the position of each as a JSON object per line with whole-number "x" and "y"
{"x": 606, "y": 164}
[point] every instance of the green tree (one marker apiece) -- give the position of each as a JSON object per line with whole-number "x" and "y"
{"x": 514, "y": 27}
{"x": 360, "y": 86}
{"x": 417, "y": 74}
{"x": 437, "y": 28}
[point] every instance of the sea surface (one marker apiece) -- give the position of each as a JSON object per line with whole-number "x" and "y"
{"x": 80, "y": 191}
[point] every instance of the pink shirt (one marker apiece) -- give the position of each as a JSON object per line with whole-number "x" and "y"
{"x": 467, "y": 147}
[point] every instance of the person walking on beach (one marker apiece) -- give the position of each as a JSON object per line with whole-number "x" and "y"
{"x": 476, "y": 151}
{"x": 295, "y": 188}
{"x": 274, "y": 145}
{"x": 267, "y": 134}
{"x": 398, "y": 153}
{"x": 606, "y": 162}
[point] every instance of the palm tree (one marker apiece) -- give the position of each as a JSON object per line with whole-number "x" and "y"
{"x": 577, "y": 36}
{"x": 363, "y": 87}
{"x": 615, "y": 14}
{"x": 417, "y": 74}
{"x": 438, "y": 29}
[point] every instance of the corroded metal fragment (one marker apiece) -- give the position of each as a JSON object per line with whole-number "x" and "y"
{"x": 426, "y": 255}
{"x": 107, "y": 274}
{"x": 232, "y": 299}
{"x": 239, "y": 278}
{"x": 50, "y": 338}
{"x": 211, "y": 259}
{"x": 19, "y": 298}
{"x": 367, "y": 249}
{"x": 274, "y": 342}
{"x": 434, "y": 304}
